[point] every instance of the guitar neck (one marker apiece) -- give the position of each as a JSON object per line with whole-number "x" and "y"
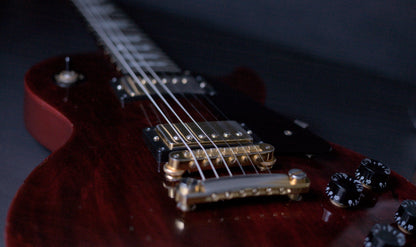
{"x": 126, "y": 44}
{"x": 136, "y": 56}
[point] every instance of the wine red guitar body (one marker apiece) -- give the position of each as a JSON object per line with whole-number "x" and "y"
{"x": 101, "y": 185}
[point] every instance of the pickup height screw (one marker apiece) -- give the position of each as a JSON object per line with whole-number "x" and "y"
{"x": 148, "y": 129}
{"x": 297, "y": 174}
{"x": 156, "y": 138}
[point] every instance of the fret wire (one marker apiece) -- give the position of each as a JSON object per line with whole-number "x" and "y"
{"x": 149, "y": 69}
{"x": 135, "y": 35}
{"x": 155, "y": 76}
{"x": 88, "y": 15}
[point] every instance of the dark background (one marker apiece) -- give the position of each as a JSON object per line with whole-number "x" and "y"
{"x": 348, "y": 68}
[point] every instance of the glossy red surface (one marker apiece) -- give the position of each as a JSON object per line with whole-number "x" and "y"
{"x": 103, "y": 188}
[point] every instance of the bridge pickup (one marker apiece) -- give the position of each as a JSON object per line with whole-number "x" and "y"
{"x": 190, "y": 192}
{"x": 204, "y": 133}
{"x": 164, "y": 139}
{"x": 261, "y": 156}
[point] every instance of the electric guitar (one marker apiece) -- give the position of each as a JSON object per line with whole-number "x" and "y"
{"x": 145, "y": 153}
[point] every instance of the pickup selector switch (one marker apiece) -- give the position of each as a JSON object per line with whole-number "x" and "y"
{"x": 383, "y": 236}
{"x": 344, "y": 191}
{"x": 373, "y": 174}
{"x": 405, "y": 217}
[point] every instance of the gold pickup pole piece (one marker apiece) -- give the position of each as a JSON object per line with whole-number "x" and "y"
{"x": 190, "y": 192}
{"x": 203, "y": 133}
{"x": 260, "y": 155}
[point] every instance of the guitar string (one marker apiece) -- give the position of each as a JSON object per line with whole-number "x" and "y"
{"x": 225, "y": 141}
{"x": 127, "y": 45}
{"x": 122, "y": 60}
{"x": 103, "y": 36}
{"x": 224, "y": 116}
{"x": 202, "y": 130}
{"x": 216, "y": 118}
{"x": 145, "y": 114}
{"x": 144, "y": 75}
{"x": 212, "y": 128}
{"x": 239, "y": 143}
{"x": 166, "y": 89}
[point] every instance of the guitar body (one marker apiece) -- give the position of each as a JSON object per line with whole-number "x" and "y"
{"x": 101, "y": 185}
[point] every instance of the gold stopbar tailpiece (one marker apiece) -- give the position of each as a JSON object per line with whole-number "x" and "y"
{"x": 218, "y": 132}
{"x": 190, "y": 192}
{"x": 261, "y": 155}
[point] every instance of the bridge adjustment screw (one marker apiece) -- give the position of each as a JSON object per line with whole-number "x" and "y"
{"x": 297, "y": 175}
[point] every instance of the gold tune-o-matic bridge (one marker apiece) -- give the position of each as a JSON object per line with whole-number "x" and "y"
{"x": 260, "y": 155}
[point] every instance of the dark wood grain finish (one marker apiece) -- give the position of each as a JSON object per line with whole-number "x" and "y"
{"x": 103, "y": 188}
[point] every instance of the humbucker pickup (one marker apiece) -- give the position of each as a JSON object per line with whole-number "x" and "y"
{"x": 164, "y": 138}
{"x": 128, "y": 89}
{"x": 204, "y": 133}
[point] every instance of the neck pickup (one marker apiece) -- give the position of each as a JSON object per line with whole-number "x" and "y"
{"x": 130, "y": 89}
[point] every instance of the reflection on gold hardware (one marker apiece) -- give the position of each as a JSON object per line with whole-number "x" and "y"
{"x": 190, "y": 192}
{"x": 219, "y": 132}
{"x": 261, "y": 155}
